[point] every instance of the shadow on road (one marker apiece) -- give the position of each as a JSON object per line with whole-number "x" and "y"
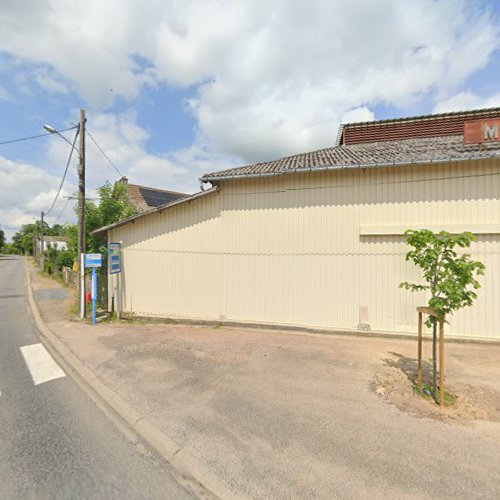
{"x": 408, "y": 366}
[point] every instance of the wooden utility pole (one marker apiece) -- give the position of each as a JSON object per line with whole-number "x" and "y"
{"x": 42, "y": 245}
{"x": 81, "y": 214}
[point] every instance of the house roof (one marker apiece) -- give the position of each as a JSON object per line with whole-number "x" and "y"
{"x": 383, "y": 152}
{"x": 375, "y": 154}
{"x": 185, "y": 199}
{"x": 143, "y": 198}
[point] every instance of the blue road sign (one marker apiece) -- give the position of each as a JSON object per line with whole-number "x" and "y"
{"x": 92, "y": 260}
{"x": 115, "y": 258}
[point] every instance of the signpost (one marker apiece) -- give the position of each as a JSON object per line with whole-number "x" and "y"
{"x": 115, "y": 267}
{"x": 93, "y": 261}
{"x": 114, "y": 262}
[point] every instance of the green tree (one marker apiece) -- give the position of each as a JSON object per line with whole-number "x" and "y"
{"x": 70, "y": 231}
{"x": 9, "y": 249}
{"x": 56, "y": 230}
{"x": 24, "y": 239}
{"x": 64, "y": 258}
{"x": 113, "y": 206}
{"x": 2, "y": 239}
{"x": 50, "y": 258}
{"x": 450, "y": 278}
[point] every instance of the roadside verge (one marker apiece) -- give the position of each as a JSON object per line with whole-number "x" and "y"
{"x": 195, "y": 474}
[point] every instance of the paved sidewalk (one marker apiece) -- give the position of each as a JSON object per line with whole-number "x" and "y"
{"x": 287, "y": 415}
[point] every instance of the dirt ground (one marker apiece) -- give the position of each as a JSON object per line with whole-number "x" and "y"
{"x": 476, "y": 393}
{"x": 282, "y": 414}
{"x": 395, "y": 383}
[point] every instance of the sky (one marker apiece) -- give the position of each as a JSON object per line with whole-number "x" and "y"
{"x": 176, "y": 88}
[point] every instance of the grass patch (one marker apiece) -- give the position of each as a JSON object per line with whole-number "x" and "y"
{"x": 426, "y": 393}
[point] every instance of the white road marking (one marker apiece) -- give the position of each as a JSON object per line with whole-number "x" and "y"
{"x": 40, "y": 364}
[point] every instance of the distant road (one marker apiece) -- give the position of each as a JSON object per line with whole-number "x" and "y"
{"x": 54, "y": 441}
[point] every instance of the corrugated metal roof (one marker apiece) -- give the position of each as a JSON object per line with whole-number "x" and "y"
{"x": 432, "y": 116}
{"x": 412, "y": 128}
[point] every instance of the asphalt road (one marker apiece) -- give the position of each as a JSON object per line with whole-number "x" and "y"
{"x": 54, "y": 441}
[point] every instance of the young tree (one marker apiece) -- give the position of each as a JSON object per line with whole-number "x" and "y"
{"x": 450, "y": 278}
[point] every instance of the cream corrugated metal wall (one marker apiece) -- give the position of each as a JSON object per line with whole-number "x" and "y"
{"x": 322, "y": 249}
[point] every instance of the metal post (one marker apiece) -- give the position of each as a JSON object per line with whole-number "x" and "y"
{"x": 81, "y": 213}
{"x": 419, "y": 376}
{"x": 42, "y": 244}
{"x": 441, "y": 362}
{"x": 118, "y": 297}
{"x": 94, "y": 294}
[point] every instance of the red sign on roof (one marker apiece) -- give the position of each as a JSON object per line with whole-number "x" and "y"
{"x": 479, "y": 131}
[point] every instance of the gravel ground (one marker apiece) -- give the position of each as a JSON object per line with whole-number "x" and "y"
{"x": 292, "y": 415}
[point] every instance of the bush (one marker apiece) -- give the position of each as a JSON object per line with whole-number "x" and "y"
{"x": 64, "y": 258}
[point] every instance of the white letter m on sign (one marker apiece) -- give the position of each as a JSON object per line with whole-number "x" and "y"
{"x": 490, "y": 132}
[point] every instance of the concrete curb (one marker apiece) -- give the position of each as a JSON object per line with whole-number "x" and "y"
{"x": 188, "y": 465}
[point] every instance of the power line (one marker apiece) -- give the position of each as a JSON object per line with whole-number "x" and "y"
{"x": 104, "y": 154}
{"x": 10, "y": 141}
{"x": 64, "y": 175}
{"x": 62, "y": 211}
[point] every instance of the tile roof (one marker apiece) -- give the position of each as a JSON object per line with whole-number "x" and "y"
{"x": 422, "y": 150}
{"x": 143, "y": 198}
{"x": 417, "y": 139}
{"x": 186, "y": 199}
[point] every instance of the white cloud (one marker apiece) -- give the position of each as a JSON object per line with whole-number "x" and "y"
{"x": 272, "y": 78}
{"x": 269, "y": 78}
{"x": 467, "y": 100}
{"x": 361, "y": 114}
{"x": 25, "y": 191}
{"x": 125, "y": 143}
{"x": 50, "y": 82}
{"x": 3, "y": 93}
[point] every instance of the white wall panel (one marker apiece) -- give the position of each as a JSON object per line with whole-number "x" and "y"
{"x": 288, "y": 249}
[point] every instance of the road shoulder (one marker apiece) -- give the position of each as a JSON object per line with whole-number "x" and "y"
{"x": 128, "y": 419}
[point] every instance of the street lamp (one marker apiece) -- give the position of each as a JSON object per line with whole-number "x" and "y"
{"x": 81, "y": 204}
{"x": 52, "y": 130}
